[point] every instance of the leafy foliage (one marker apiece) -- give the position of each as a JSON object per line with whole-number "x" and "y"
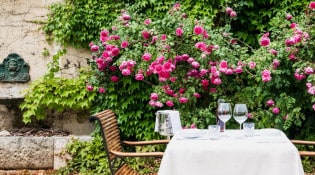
{"x": 56, "y": 93}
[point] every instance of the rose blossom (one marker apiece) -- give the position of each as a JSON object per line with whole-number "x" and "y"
{"x": 101, "y": 90}
{"x": 233, "y": 14}
{"x": 154, "y": 96}
{"x": 114, "y": 78}
{"x": 169, "y": 103}
{"x": 228, "y": 10}
{"x": 308, "y": 70}
{"x": 286, "y": 117}
{"x": 145, "y": 34}
{"x": 270, "y": 103}
{"x": 264, "y": 41}
{"x": 147, "y": 21}
{"x": 293, "y": 25}
{"x": 146, "y": 57}
{"x": 179, "y": 32}
{"x": 275, "y": 63}
{"x": 273, "y": 52}
{"x": 124, "y": 44}
{"x": 266, "y": 75}
{"x": 252, "y": 65}
{"x": 276, "y": 110}
{"x": 308, "y": 85}
{"x": 197, "y": 95}
{"x": 198, "y": 30}
{"x": 288, "y": 17}
{"x": 238, "y": 69}
{"x": 94, "y": 48}
{"x": 313, "y": 107}
{"x": 89, "y": 87}
{"x": 183, "y": 100}
{"x": 126, "y": 72}
{"x": 311, "y": 90}
{"x": 312, "y": 5}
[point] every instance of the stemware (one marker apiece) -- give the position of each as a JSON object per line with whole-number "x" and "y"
{"x": 240, "y": 113}
{"x": 224, "y": 112}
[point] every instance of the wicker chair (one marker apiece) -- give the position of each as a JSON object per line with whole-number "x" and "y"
{"x": 113, "y": 144}
{"x": 303, "y": 142}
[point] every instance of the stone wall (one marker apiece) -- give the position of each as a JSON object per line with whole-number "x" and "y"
{"x": 21, "y": 33}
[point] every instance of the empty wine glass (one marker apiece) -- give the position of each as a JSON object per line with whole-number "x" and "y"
{"x": 224, "y": 112}
{"x": 240, "y": 113}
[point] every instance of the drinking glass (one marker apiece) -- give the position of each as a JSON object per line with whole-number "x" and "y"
{"x": 224, "y": 112}
{"x": 240, "y": 113}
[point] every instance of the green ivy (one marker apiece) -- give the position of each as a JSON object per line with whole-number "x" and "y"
{"x": 56, "y": 93}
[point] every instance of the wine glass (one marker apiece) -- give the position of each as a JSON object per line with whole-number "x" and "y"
{"x": 224, "y": 112}
{"x": 240, "y": 113}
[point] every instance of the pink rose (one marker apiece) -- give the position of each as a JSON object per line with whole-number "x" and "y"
{"x": 275, "y": 63}
{"x": 195, "y": 64}
{"x": 89, "y": 87}
{"x": 308, "y": 70}
{"x": 139, "y": 76}
{"x": 198, "y": 30}
{"x": 270, "y": 103}
{"x": 114, "y": 78}
{"x": 124, "y": 44}
{"x": 125, "y": 17}
{"x": 94, "y": 48}
{"x": 163, "y": 37}
{"x": 115, "y": 51}
{"x": 154, "y": 96}
{"x": 169, "y": 103}
{"x": 213, "y": 90}
{"x": 197, "y": 95}
{"x": 146, "y": 57}
{"x": 264, "y": 41}
{"x": 179, "y": 32}
{"x": 146, "y": 34}
{"x": 228, "y": 10}
{"x": 308, "y": 85}
{"x": 238, "y": 69}
{"x": 183, "y": 100}
{"x": 286, "y": 117}
{"x": 233, "y": 14}
{"x": 312, "y": 5}
{"x": 101, "y": 90}
{"x": 217, "y": 81}
{"x": 250, "y": 116}
{"x": 288, "y": 17}
{"x": 293, "y": 25}
{"x": 266, "y": 75}
{"x": 252, "y": 65}
{"x": 276, "y": 110}
{"x": 273, "y": 52}
{"x": 311, "y": 90}
{"x": 313, "y": 107}
{"x": 126, "y": 72}
{"x": 147, "y": 21}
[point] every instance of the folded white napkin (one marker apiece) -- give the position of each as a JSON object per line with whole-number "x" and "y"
{"x": 174, "y": 119}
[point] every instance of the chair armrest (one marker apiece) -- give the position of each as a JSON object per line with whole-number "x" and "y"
{"x": 137, "y": 154}
{"x": 303, "y": 142}
{"x": 150, "y": 142}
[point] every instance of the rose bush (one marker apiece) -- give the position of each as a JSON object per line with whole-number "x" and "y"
{"x": 187, "y": 64}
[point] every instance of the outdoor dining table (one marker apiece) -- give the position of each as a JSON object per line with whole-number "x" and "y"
{"x": 268, "y": 152}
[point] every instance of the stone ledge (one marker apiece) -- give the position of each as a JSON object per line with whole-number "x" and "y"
{"x": 19, "y": 152}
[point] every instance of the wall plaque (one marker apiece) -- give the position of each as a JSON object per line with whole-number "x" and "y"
{"x": 14, "y": 69}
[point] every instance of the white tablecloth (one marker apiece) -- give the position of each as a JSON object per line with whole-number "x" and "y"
{"x": 269, "y": 152}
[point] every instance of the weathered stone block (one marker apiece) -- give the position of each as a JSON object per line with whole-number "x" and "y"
{"x": 26, "y": 152}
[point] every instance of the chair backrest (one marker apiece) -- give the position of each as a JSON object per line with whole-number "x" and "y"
{"x": 111, "y": 137}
